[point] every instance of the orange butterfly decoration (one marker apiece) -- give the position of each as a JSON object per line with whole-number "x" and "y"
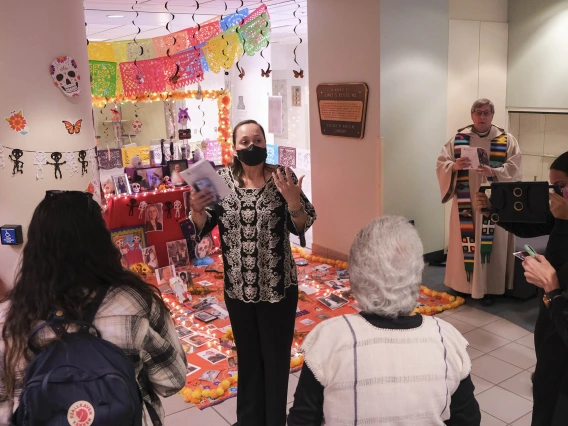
{"x": 266, "y": 73}
{"x": 299, "y": 74}
{"x": 242, "y": 74}
{"x": 73, "y": 128}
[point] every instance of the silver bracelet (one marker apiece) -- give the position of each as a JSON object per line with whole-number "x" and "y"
{"x": 297, "y": 213}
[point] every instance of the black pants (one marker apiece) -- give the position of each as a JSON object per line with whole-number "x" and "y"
{"x": 263, "y": 335}
{"x": 551, "y": 374}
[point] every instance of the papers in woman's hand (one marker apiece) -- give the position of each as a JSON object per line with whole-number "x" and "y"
{"x": 202, "y": 175}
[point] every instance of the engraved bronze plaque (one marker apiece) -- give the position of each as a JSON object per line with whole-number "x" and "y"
{"x": 343, "y": 109}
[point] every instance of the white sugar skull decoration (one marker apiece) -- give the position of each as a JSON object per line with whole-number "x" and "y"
{"x": 66, "y": 76}
{"x": 136, "y": 126}
{"x": 135, "y": 188}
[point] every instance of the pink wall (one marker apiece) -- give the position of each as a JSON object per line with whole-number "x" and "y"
{"x": 346, "y": 173}
{"x": 32, "y": 34}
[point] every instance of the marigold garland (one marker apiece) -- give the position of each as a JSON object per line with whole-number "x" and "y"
{"x": 197, "y": 395}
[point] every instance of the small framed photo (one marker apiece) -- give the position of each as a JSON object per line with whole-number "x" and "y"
{"x": 163, "y": 275}
{"x": 197, "y": 340}
{"x": 233, "y": 362}
{"x": 184, "y": 332}
{"x": 175, "y": 167}
{"x": 209, "y": 375}
{"x": 150, "y": 178}
{"x": 178, "y": 254}
{"x": 154, "y": 218}
{"x": 336, "y": 285}
{"x": 213, "y": 356}
{"x": 150, "y": 258}
{"x": 205, "y": 317}
{"x": 121, "y": 185}
{"x": 333, "y": 301}
{"x": 192, "y": 369}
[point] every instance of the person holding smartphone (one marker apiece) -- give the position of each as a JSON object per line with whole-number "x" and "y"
{"x": 541, "y": 273}
{"x": 551, "y": 352}
{"x": 265, "y": 205}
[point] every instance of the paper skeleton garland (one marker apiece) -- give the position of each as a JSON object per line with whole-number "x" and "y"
{"x": 66, "y": 76}
{"x": 56, "y": 156}
{"x": 71, "y": 163}
{"x": 142, "y": 207}
{"x": 169, "y": 205}
{"x": 177, "y": 208}
{"x": 18, "y": 165}
{"x": 40, "y": 159}
{"x": 131, "y": 204}
{"x": 84, "y": 164}
{"x": 2, "y": 163}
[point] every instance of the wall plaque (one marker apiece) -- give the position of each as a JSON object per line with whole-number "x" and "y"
{"x": 343, "y": 109}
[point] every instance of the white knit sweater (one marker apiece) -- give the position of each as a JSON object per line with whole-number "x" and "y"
{"x": 375, "y": 376}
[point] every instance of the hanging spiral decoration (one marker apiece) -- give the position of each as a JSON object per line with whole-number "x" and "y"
{"x": 139, "y": 76}
{"x": 241, "y": 70}
{"x": 223, "y": 37}
{"x": 265, "y": 73}
{"x": 300, "y": 73}
{"x": 195, "y": 32}
{"x": 175, "y": 77}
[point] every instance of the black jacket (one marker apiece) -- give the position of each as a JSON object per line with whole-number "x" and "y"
{"x": 557, "y": 247}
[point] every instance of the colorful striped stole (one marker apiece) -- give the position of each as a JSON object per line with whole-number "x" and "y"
{"x": 497, "y": 158}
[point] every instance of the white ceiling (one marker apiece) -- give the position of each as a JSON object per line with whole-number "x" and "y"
{"x": 154, "y": 17}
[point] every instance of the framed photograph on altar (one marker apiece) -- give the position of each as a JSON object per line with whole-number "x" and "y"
{"x": 121, "y": 185}
{"x": 150, "y": 178}
{"x": 178, "y": 254}
{"x": 175, "y": 167}
{"x": 130, "y": 242}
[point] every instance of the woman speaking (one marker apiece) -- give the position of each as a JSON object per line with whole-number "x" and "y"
{"x": 266, "y": 203}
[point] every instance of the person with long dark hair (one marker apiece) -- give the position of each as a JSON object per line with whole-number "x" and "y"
{"x": 551, "y": 374}
{"x": 68, "y": 259}
{"x": 265, "y": 205}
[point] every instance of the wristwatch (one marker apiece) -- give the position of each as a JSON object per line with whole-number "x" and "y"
{"x": 549, "y": 297}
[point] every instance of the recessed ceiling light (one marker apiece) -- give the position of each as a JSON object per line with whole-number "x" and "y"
{"x": 115, "y": 16}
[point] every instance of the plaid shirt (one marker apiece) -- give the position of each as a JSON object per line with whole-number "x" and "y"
{"x": 145, "y": 335}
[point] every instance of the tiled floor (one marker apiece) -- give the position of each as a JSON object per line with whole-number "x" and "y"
{"x": 502, "y": 356}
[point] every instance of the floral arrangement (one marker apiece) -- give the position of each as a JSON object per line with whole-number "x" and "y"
{"x": 141, "y": 269}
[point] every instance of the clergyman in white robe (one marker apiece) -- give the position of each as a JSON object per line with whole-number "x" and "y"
{"x": 497, "y": 275}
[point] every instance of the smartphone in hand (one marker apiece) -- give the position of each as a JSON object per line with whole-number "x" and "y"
{"x": 531, "y": 251}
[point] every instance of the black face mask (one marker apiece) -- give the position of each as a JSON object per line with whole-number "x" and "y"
{"x": 252, "y": 156}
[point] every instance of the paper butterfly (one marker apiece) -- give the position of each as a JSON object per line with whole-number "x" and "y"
{"x": 73, "y": 128}
{"x": 266, "y": 73}
{"x": 299, "y": 74}
{"x": 242, "y": 74}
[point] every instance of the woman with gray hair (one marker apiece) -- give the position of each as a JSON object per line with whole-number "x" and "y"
{"x": 386, "y": 365}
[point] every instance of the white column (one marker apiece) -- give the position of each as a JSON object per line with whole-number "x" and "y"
{"x": 346, "y": 174}
{"x": 32, "y": 34}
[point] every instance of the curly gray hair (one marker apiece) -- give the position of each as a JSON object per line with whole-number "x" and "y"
{"x": 385, "y": 267}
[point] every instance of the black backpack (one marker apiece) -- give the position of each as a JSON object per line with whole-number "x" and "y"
{"x": 80, "y": 379}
